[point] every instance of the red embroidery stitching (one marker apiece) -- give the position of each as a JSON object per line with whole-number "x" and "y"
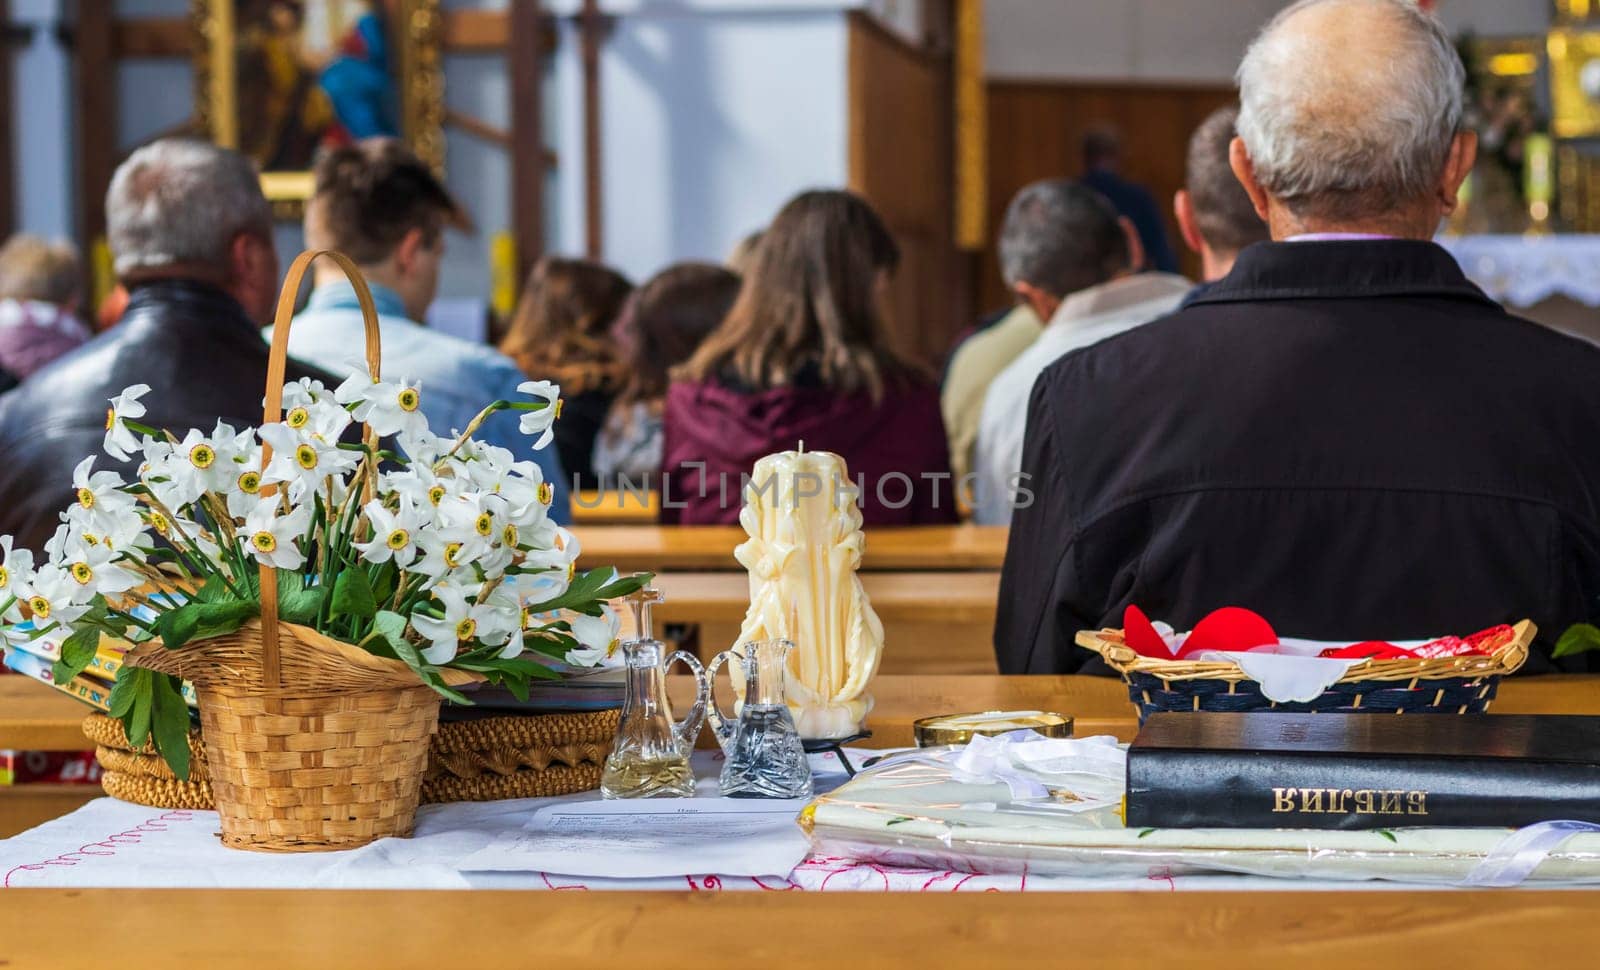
{"x": 106, "y": 847}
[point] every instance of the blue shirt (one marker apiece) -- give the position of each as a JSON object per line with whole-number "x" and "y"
{"x": 459, "y": 378}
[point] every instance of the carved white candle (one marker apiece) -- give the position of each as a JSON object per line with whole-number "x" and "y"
{"x": 803, "y": 552}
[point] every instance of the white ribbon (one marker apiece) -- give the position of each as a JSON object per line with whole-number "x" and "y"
{"x": 1521, "y": 852}
{"x": 1032, "y": 766}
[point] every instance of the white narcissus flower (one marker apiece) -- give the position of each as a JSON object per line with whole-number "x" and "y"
{"x": 53, "y": 596}
{"x": 597, "y": 636}
{"x": 423, "y": 447}
{"x": 387, "y": 407}
{"x": 120, "y": 442}
{"x": 443, "y": 553}
{"x": 464, "y": 623}
{"x": 99, "y": 495}
{"x": 97, "y": 569}
{"x": 309, "y": 408}
{"x": 194, "y": 467}
{"x": 419, "y": 484}
{"x": 303, "y": 460}
{"x": 394, "y": 534}
{"x": 16, "y": 572}
{"x": 271, "y": 537}
{"x": 539, "y": 422}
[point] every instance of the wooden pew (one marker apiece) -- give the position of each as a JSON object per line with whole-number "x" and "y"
{"x": 934, "y": 623}
{"x": 592, "y": 506}
{"x": 35, "y": 718}
{"x": 698, "y": 548}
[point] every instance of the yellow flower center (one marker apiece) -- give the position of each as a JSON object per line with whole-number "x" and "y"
{"x": 202, "y": 456}
{"x": 451, "y": 551}
{"x": 111, "y": 418}
{"x": 86, "y": 498}
{"x": 559, "y": 401}
{"x": 298, "y": 418}
{"x": 484, "y": 525}
{"x": 159, "y": 523}
{"x": 436, "y": 494}
{"x": 466, "y": 629}
{"x": 250, "y": 482}
{"x": 547, "y": 493}
{"x": 399, "y": 539}
{"x": 40, "y": 607}
{"x": 82, "y": 573}
{"x": 93, "y": 539}
{"x": 508, "y": 536}
{"x": 409, "y": 399}
{"x": 306, "y": 457}
{"x": 264, "y": 542}
{"x": 5, "y": 577}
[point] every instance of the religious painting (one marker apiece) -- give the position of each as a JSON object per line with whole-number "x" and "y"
{"x": 282, "y": 79}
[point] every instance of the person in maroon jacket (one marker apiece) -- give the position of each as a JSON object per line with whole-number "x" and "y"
{"x": 804, "y": 357}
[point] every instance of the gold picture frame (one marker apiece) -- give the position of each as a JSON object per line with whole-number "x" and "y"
{"x": 317, "y": 72}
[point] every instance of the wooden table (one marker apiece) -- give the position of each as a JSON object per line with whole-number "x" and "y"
{"x": 42, "y": 928}
{"x": 934, "y": 622}
{"x": 634, "y": 548}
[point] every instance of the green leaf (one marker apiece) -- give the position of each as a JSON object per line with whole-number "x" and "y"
{"x": 1579, "y": 638}
{"x": 170, "y": 724}
{"x": 1144, "y": 832}
{"x": 123, "y": 692}
{"x": 298, "y": 603}
{"x": 213, "y": 590}
{"x": 352, "y": 594}
{"x": 137, "y": 725}
{"x": 389, "y": 625}
{"x": 899, "y": 820}
{"x": 76, "y": 652}
{"x": 624, "y": 586}
{"x": 176, "y": 627}
{"x": 1387, "y": 834}
{"x": 199, "y": 620}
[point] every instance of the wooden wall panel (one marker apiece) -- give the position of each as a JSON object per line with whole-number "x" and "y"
{"x": 900, "y": 143}
{"x": 1035, "y": 131}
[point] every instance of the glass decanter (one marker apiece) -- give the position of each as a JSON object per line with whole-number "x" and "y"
{"x": 650, "y": 756}
{"x": 765, "y": 758}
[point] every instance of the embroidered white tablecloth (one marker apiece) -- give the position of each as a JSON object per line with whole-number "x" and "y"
{"x": 108, "y": 843}
{"x": 1521, "y": 271}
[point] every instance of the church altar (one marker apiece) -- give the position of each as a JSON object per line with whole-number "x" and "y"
{"x": 1523, "y": 271}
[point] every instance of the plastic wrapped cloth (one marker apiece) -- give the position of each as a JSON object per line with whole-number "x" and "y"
{"x": 1053, "y": 807}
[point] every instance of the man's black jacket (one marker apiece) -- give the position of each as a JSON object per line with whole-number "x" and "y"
{"x": 1347, "y": 437}
{"x": 203, "y": 358}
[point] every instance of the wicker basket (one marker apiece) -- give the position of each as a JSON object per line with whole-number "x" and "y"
{"x": 312, "y": 744}
{"x": 138, "y": 775}
{"x": 1445, "y": 685}
{"x": 518, "y": 757}
{"x": 535, "y": 756}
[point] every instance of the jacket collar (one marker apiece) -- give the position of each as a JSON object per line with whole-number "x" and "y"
{"x": 341, "y": 295}
{"x": 176, "y": 299}
{"x": 1335, "y": 270}
{"x": 1117, "y": 296}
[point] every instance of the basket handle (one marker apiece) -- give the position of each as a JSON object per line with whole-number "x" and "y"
{"x": 277, "y": 365}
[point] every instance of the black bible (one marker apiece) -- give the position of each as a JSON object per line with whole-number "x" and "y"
{"x": 1362, "y": 771}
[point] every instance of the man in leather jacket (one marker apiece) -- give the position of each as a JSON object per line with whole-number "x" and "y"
{"x": 191, "y": 235}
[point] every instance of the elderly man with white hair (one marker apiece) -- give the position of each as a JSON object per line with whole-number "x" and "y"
{"x": 1343, "y": 433}
{"x": 191, "y": 238}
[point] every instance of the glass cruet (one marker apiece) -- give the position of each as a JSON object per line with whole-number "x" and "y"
{"x": 650, "y": 756}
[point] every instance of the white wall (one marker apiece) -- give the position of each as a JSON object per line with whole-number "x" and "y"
{"x": 1173, "y": 41}
{"x": 710, "y": 121}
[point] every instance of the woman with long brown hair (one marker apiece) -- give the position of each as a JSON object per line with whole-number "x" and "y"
{"x": 561, "y": 332}
{"x": 805, "y": 356}
{"x": 662, "y": 325}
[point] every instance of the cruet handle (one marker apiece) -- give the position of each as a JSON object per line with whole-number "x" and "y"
{"x": 688, "y": 729}
{"x": 723, "y": 728}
